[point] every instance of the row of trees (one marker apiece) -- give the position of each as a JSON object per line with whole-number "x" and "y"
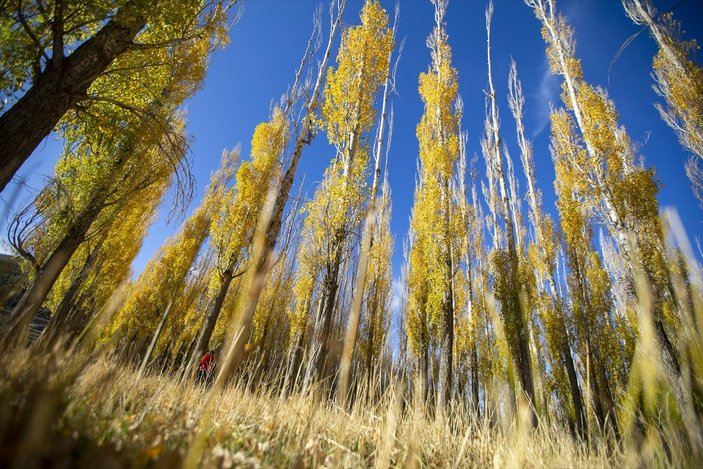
{"x": 571, "y": 321}
{"x": 495, "y": 303}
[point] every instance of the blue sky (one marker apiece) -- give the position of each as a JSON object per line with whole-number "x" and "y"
{"x": 271, "y": 35}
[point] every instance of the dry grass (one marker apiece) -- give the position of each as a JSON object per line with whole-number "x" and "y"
{"x": 64, "y": 412}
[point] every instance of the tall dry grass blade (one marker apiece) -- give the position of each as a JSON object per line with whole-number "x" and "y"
{"x": 247, "y": 301}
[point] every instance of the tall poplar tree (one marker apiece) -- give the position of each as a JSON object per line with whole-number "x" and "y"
{"x": 543, "y": 258}
{"x": 588, "y": 282}
{"x": 270, "y": 226}
{"x": 505, "y": 255}
{"x": 347, "y": 117}
{"x": 435, "y": 215}
{"x": 233, "y": 229}
{"x": 620, "y": 192}
{"x": 369, "y": 232}
{"x": 104, "y": 260}
{"x": 377, "y": 291}
{"x": 679, "y": 80}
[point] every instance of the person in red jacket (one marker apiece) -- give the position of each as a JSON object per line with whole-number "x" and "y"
{"x": 205, "y": 367}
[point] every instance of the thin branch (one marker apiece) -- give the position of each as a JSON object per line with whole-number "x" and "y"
{"x": 57, "y": 32}
{"x": 30, "y": 33}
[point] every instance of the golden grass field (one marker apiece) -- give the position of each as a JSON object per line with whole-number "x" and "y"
{"x": 77, "y": 410}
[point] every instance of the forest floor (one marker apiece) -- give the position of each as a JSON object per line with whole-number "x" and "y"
{"x": 63, "y": 412}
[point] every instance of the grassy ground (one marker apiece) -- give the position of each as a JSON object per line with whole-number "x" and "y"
{"x": 67, "y": 411}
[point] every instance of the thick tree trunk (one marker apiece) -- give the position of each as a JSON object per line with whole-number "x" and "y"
{"x": 526, "y": 378}
{"x": 355, "y": 315}
{"x": 595, "y": 391}
{"x": 373, "y": 312}
{"x": 606, "y": 398}
{"x": 56, "y": 90}
{"x": 447, "y": 330}
{"x": 445, "y": 360}
{"x": 602, "y": 398}
{"x": 368, "y": 365}
{"x": 568, "y": 360}
{"x": 296, "y": 356}
{"x": 43, "y": 282}
{"x": 446, "y": 350}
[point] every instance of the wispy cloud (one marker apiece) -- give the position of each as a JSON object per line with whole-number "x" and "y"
{"x": 547, "y": 93}
{"x": 396, "y": 295}
{"x": 396, "y": 301}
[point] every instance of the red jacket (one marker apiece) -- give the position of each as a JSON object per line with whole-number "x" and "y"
{"x": 205, "y": 362}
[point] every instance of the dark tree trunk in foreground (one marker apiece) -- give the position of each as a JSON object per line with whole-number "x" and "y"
{"x": 60, "y": 86}
{"x": 423, "y": 383}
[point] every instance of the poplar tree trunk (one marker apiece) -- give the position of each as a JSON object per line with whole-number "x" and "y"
{"x": 568, "y": 361}
{"x": 155, "y": 339}
{"x": 447, "y": 330}
{"x": 602, "y": 399}
{"x": 422, "y": 372}
{"x": 60, "y": 86}
{"x": 53, "y": 266}
{"x": 474, "y": 380}
{"x": 355, "y": 316}
{"x": 580, "y": 417}
{"x": 606, "y": 397}
{"x": 61, "y": 316}
{"x": 296, "y": 356}
{"x": 213, "y": 314}
{"x": 445, "y": 359}
{"x": 473, "y": 352}
{"x": 373, "y": 317}
{"x": 600, "y": 387}
{"x": 322, "y": 332}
